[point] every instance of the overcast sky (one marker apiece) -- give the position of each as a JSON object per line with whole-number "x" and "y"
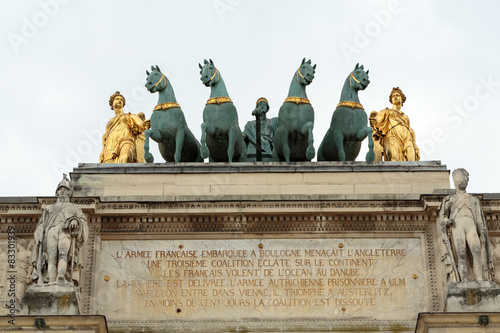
{"x": 61, "y": 60}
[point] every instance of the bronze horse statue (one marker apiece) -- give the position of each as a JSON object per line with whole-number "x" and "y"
{"x": 349, "y": 125}
{"x": 168, "y": 125}
{"x": 221, "y": 137}
{"x": 293, "y": 140}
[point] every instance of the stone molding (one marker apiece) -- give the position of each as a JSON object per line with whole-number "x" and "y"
{"x": 458, "y": 322}
{"x": 93, "y": 323}
{"x": 292, "y": 325}
{"x": 99, "y": 206}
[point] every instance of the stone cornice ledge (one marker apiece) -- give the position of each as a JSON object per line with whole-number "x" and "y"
{"x": 259, "y": 167}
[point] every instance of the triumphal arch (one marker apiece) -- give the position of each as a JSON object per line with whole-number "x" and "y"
{"x": 304, "y": 247}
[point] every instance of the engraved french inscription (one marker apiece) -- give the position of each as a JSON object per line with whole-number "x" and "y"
{"x": 268, "y": 279}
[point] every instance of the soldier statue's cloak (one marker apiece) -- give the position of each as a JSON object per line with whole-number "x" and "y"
{"x": 267, "y": 129}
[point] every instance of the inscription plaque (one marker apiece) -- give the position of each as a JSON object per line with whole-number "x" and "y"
{"x": 231, "y": 279}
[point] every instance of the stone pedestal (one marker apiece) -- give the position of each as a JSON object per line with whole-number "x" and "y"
{"x": 473, "y": 296}
{"x": 264, "y": 180}
{"x": 50, "y": 300}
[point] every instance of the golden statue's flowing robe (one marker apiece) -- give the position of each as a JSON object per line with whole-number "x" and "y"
{"x": 396, "y": 136}
{"x": 123, "y": 134}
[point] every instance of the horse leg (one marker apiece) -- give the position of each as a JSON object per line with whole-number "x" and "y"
{"x": 275, "y": 155}
{"x": 156, "y": 136}
{"x": 307, "y": 129}
{"x": 361, "y": 135}
{"x": 338, "y": 140}
{"x": 205, "y": 127}
{"x": 285, "y": 144}
{"x": 370, "y": 155}
{"x": 321, "y": 157}
{"x": 147, "y": 155}
{"x": 179, "y": 142}
{"x": 243, "y": 154}
{"x": 231, "y": 143}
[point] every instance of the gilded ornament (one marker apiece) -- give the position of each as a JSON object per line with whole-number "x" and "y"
{"x": 218, "y": 100}
{"x": 166, "y": 106}
{"x": 262, "y": 99}
{"x": 351, "y": 104}
{"x": 297, "y": 100}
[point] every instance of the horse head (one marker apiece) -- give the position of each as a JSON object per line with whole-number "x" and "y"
{"x": 209, "y": 74}
{"x": 358, "y": 79}
{"x": 156, "y": 80}
{"x": 305, "y": 73}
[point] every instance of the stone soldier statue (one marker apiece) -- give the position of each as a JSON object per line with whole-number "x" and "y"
{"x": 123, "y": 134}
{"x": 392, "y": 134}
{"x": 465, "y": 245}
{"x": 59, "y": 235}
{"x": 267, "y": 130}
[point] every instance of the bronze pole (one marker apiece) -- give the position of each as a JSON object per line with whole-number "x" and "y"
{"x": 257, "y": 133}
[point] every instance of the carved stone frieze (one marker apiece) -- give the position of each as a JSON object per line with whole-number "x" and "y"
{"x": 95, "y": 206}
{"x": 267, "y": 205}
